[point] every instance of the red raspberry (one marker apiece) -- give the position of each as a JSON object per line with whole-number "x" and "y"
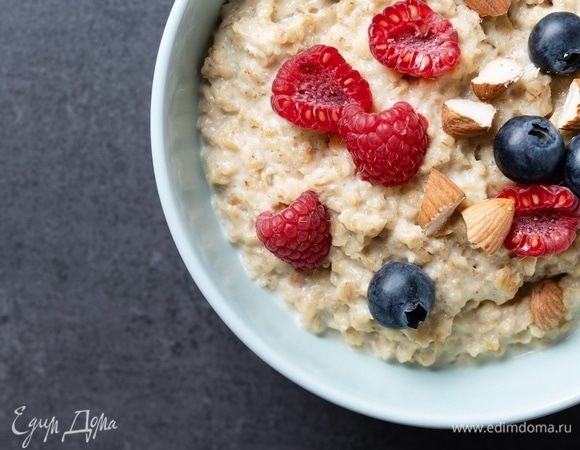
{"x": 387, "y": 148}
{"x": 411, "y": 38}
{"x": 545, "y": 221}
{"x": 311, "y": 89}
{"x": 299, "y": 234}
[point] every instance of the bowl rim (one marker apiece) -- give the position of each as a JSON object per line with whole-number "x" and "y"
{"x": 198, "y": 270}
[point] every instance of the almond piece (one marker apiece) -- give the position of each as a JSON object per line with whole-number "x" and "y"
{"x": 547, "y": 305}
{"x": 488, "y": 223}
{"x": 466, "y": 118}
{"x": 495, "y": 77}
{"x": 491, "y": 8}
{"x": 569, "y": 119}
{"x": 440, "y": 199}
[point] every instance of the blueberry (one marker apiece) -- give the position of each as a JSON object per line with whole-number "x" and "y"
{"x": 554, "y": 43}
{"x": 400, "y": 295}
{"x": 529, "y": 149}
{"x": 571, "y": 170}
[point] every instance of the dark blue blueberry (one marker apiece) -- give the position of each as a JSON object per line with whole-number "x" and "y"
{"x": 400, "y": 295}
{"x": 529, "y": 149}
{"x": 571, "y": 171}
{"x": 554, "y": 43}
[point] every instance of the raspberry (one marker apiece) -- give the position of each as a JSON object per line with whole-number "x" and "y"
{"x": 299, "y": 234}
{"x": 311, "y": 89}
{"x": 545, "y": 221}
{"x": 387, "y": 148}
{"x": 411, "y": 38}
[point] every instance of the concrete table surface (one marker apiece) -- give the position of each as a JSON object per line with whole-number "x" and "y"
{"x": 99, "y": 319}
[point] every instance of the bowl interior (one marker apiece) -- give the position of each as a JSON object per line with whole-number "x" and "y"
{"x": 509, "y": 390}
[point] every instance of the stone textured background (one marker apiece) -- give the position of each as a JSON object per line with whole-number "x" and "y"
{"x": 97, "y": 311}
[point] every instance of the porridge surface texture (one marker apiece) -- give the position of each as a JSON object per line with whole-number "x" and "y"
{"x": 257, "y": 161}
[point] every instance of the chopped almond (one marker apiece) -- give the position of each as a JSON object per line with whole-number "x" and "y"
{"x": 441, "y": 197}
{"x": 466, "y": 118}
{"x": 569, "y": 120}
{"x": 491, "y": 8}
{"x": 488, "y": 223}
{"x": 547, "y": 305}
{"x": 495, "y": 77}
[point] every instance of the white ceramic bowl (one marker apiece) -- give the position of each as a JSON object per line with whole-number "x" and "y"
{"x": 512, "y": 390}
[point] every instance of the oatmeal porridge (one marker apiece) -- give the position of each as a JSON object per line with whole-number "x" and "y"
{"x": 258, "y": 161}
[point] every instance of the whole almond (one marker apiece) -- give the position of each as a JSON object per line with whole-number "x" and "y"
{"x": 547, "y": 305}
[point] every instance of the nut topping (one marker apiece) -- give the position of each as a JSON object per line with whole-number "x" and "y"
{"x": 570, "y": 118}
{"x": 466, "y": 118}
{"x": 491, "y": 8}
{"x": 495, "y": 77}
{"x": 441, "y": 198}
{"x": 488, "y": 223}
{"x": 547, "y": 305}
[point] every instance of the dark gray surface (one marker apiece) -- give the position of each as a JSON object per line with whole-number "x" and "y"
{"x": 97, "y": 311}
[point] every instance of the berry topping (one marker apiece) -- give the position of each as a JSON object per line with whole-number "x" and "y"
{"x": 545, "y": 221}
{"x": 529, "y": 149}
{"x": 571, "y": 172}
{"x": 554, "y": 43}
{"x": 400, "y": 295}
{"x": 387, "y": 147}
{"x": 411, "y": 38}
{"x": 299, "y": 234}
{"x": 311, "y": 89}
